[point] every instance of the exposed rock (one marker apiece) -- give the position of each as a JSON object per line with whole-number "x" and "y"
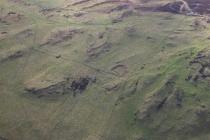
{"x": 46, "y": 11}
{"x": 164, "y": 98}
{"x": 80, "y": 2}
{"x": 178, "y": 7}
{"x": 199, "y": 6}
{"x": 111, "y": 87}
{"x": 189, "y": 7}
{"x": 157, "y": 113}
{"x": 199, "y": 122}
{"x": 62, "y": 36}
{"x": 129, "y": 91}
{"x": 200, "y": 67}
{"x": 3, "y": 32}
{"x": 79, "y": 14}
{"x": 13, "y": 56}
{"x": 123, "y": 15}
{"x": 120, "y": 7}
{"x": 58, "y": 56}
{"x": 106, "y": 2}
{"x": 127, "y": 14}
{"x": 64, "y": 87}
{"x": 116, "y": 20}
{"x": 120, "y": 69}
{"x": 80, "y": 84}
{"x": 94, "y": 52}
{"x": 101, "y": 35}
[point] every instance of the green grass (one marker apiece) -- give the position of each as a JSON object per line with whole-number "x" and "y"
{"x": 94, "y": 115}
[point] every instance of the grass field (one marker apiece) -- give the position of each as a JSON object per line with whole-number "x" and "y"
{"x": 142, "y": 62}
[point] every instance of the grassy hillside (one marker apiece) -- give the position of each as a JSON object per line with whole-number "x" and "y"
{"x": 103, "y": 70}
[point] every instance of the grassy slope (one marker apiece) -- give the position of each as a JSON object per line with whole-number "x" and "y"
{"x": 94, "y": 114}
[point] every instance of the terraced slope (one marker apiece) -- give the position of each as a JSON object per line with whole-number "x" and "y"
{"x": 104, "y": 70}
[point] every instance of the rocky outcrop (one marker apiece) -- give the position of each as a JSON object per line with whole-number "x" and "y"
{"x": 170, "y": 111}
{"x": 61, "y": 36}
{"x": 178, "y": 7}
{"x": 13, "y": 56}
{"x": 64, "y": 87}
{"x": 200, "y": 67}
{"x": 189, "y": 7}
{"x": 199, "y": 6}
{"x": 167, "y": 97}
{"x": 95, "y": 51}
